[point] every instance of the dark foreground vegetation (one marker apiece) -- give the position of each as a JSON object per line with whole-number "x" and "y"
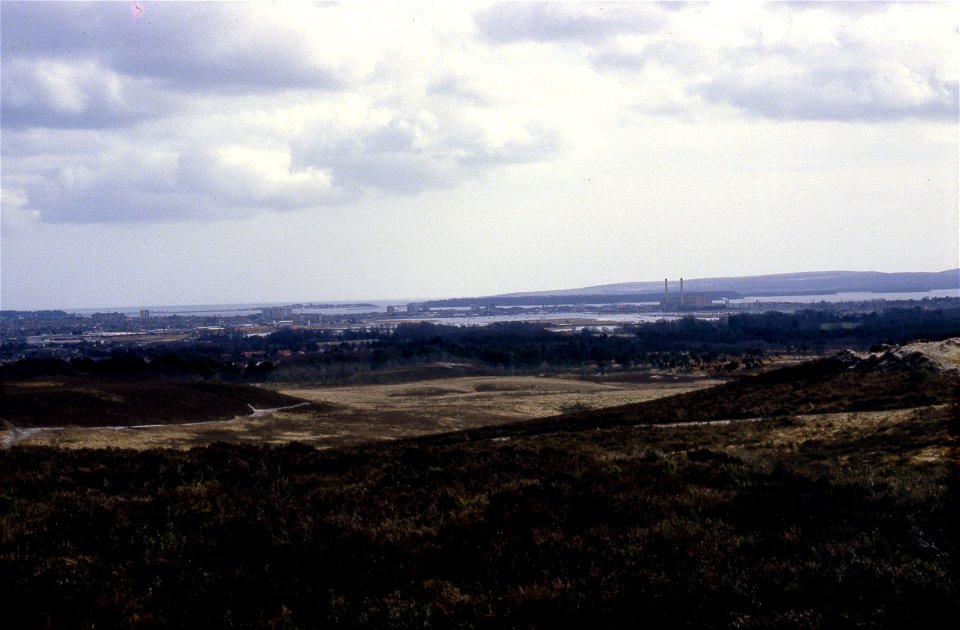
{"x": 784, "y": 522}
{"x": 88, "y": 401}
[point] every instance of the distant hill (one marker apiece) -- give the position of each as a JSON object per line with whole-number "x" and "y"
{"x": 815, "y": 282}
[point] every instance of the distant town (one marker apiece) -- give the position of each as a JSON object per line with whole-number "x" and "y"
{"x": 61, "y": 334}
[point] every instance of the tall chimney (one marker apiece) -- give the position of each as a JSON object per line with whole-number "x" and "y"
{"x": 681, "y": 292}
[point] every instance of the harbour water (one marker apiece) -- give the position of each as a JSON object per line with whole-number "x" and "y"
{"x": 381, "y": 306}
{"x": 848, "y": 297}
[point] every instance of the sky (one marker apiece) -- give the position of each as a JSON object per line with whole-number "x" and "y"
{"x": 161, "y": 153}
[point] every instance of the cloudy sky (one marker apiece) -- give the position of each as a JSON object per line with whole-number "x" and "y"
{"x": 194, "y": 153}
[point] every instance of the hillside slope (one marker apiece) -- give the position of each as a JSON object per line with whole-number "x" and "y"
{"x": 90, "y": 401}
{"x": 898, "y": 378}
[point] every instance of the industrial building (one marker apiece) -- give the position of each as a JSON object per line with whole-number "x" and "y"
{"x": 682, "y": 301}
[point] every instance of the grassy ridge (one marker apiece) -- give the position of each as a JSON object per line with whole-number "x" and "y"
{"x": 821, "y": 386}
{"x": 90, "y": 401}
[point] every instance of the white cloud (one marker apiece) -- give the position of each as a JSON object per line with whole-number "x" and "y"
{"x": 53, "y": 92}
{"x": 586, "y": 22}
{"x": 814, "y": 64}
{"x": 239, "y": 177}
{"x": 821, "y": 65}
{"x": 413, "y": 151}
{"x": 262, "y": 107}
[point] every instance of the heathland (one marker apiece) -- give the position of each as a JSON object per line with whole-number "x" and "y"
{"x": 702, "y": 477}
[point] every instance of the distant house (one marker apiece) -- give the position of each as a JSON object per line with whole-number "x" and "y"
{"x": 275, "y": 313}
{"x": 108, "y": 318}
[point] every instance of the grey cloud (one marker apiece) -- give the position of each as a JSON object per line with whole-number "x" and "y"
{"x": 44, "y": 29}
{"x": 844, "y": 6}
{"x": 849, "y": 78}
{"x": 248, "y": 185}
{"x": 186, "y": 46}
{"x": 458, "y": 88}
{"x": 19, "y": 145}
{"x": 72, "y": 195}
{"x": 539, "y": 142}
{"x": 384, "y": 157}
{"x": 565, "y": 21}
{"x": 409, "y": 153}
{"x": 91, "y": 65}
{"x": 830, "y": 85}
{"x": 57, "y": 94}
{"x": 127, "y": 187}
{"x": 387, "y": 171}
{"x": 683, "y": 56}
{"x": 328, "y": 165}
{"x": 140, "y": 187}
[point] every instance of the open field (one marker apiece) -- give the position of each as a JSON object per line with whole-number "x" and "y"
{"x": 349, "y": 415}
{"x": 125, "y": 414}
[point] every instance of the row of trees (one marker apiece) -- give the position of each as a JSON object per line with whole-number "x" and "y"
{"x": 685, "y": 342}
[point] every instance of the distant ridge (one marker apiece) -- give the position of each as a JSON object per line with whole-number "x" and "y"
{"x": 812, "y": 282}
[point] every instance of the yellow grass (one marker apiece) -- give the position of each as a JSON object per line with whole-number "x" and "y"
{"x": 382, "y": 412}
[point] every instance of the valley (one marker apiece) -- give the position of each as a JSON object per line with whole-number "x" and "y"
{"x": 336, "y": 416}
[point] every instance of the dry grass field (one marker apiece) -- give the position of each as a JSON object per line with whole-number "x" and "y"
{"x": 350, "y": 415}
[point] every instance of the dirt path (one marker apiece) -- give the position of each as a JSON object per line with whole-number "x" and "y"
{"x": 262, "y": 412}
{"x": 15, "y": 434}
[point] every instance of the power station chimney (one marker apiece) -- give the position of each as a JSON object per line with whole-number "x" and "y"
{"x": 681, "y": 292}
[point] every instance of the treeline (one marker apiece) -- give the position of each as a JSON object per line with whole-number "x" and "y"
{"x": 816, "y": 329}
{"x": 120, "y": 363}
{"x": 687, "y": 340}
{"x": 48, "y": 314}
{"x": 728, "y": 343}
